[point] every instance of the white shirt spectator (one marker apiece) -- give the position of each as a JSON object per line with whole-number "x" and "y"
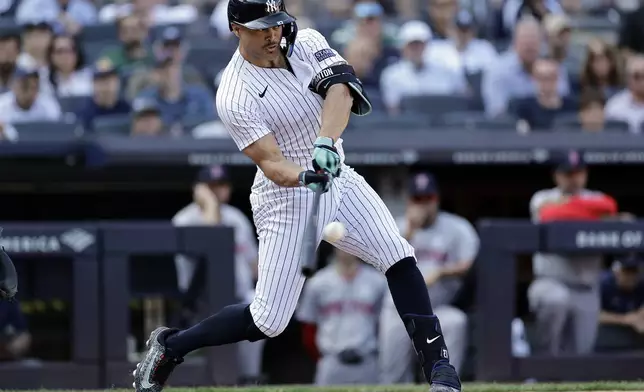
{"x": 475, "y": 57}
{"x": 160, "y": 15}
{"x": 45, "y": 108}
{"x": 403, "y": 79}
{"x": 79, "y": 83}
{"x": 417, "y": 73}
{"x": 622, "y": 107}
{"x": 81, "y": 11}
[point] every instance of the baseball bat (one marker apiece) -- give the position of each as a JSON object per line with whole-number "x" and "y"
{"x": 309, "y": 245}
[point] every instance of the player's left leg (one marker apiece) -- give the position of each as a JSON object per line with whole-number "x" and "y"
{"x": 372, "y": 235}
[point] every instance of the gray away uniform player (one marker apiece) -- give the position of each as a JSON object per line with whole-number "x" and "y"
{"x": 285, "y": 98}
{"x": 565, "y": 293}
{"x": 445, "y": 245}
{"x": 341, "y": 303}
{"x": 211, "y": 195}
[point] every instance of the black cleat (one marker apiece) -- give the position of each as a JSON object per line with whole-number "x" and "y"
{"x": 444, "y": 378}
{"x": 153, "y": 371}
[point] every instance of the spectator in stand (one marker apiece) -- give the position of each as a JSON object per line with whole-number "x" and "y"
{"x": 540, "y": 111}
{"x": 105, "y": 100}
{"x": 628, "y": 105}
{"x": 37, "y": 35}
{"x": 558, "y": 32}
{"x": 367, "y": 23}
{"x": 591, "y": 111}
{"x": 151, "y": 12}
{"x": 9, "y": 51}
{"x": 516, "y": 10}
{"x": 68, "y": 74}
{"x": 565, "y": 293}
{"x": 511, "y": 76}
{"x": 15, "y": 339}
{"x": 132, "y": 52}
{"x": 631, "y": 35}
{"x": 146, "y": 119}
{"x": 602, "y": 69}
{"x": 72, "y": 15}
{"x": 339, "y": 310}
{"x": 473, "y": 55}
{"x": 170, "y": 44}
{"x": 179, "y": 102}
{"x": 622, "y": 301}
{"x": 413, "y": 74}
{"x": 440, "y": 17}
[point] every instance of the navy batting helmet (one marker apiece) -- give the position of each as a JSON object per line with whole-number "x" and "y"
{"x": 263, "y": 14}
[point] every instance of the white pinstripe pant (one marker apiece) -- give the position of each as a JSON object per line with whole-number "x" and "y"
{"x": 280, "y": 216}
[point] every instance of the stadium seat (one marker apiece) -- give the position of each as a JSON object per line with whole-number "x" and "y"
{"x": 571, "y": 123}
{"x": 382, "y": 121}
{"x": 99, "y": 33}
{"x": 208, "y": 57}
{"x": 436, "y": 104}
{"x": 47, "y": 130}
{"x": 470, "y": 120}
{"x": 93, "y": 49}
{"x": 71, "y": 104}
{"x": 118, "y": 124}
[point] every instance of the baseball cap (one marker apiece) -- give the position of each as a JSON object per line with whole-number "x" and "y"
{"x": 216, "y": 173}
{"x": 464, "y": 19}
{"x": 423, "y": 184}
{"x": 104, "y": 67}
{"x": 171, "y": 34}
{"x": 142, "y": 106}
{"x": 629, "y": 262}
{"x": 571, "y": 161}
{"x": 368, "y": 9}
{"x": 23, "y": 71}
{"x": 412, "y": 31}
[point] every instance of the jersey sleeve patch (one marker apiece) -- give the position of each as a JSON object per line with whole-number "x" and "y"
{"x": 324, "y": 54}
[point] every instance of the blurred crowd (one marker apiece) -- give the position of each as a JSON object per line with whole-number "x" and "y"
{"x": 152, "y": 67}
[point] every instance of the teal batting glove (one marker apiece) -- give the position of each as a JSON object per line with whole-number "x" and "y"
{"x": 325, "y": 156}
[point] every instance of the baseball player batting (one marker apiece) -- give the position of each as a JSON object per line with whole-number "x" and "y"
{"x": 285, "y": 98}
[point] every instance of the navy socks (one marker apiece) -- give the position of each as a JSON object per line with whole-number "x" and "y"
{"x": 232, "y": 324}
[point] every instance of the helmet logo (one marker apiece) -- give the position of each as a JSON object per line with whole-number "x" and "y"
{"x": 272, "y": 7}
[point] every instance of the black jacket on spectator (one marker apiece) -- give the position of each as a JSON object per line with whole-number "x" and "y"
{"x": 90, "y": 110}
{"x": 631, "y": 33}
{"x": 537, "y": 116}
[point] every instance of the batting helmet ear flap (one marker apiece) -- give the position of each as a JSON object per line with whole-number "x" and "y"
{"x": 289, "y": 33}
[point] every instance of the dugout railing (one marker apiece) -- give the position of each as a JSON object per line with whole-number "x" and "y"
{"x": 33, "y": 246}
{"x": 122, "y": 242}
{"x": 501, "y": 242}
{"x": 100, "y": 255}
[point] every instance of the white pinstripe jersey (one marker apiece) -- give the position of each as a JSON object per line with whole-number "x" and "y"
{"x": 253, "y": 101}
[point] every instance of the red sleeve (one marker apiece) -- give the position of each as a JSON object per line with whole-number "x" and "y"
{"x": 599, "y": 205}
{"x": 308, "y": 340}
{"x": 579, "y": 209}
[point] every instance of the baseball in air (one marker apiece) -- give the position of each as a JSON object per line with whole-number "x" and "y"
{"x": 334, "y": 231}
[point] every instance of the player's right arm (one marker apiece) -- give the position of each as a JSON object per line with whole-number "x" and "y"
{"x": 242, "y": 117}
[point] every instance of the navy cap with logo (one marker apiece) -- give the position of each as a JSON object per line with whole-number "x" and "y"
{"x": 25, "y": 71}
{"x": 629, "y": 262}
{"x": 171, "y": 34}
{"x": 214, "y": 173}
{"x": 571, "y": 161}
{"x": 423, "y": 184}
{"x": 143, "y": 106}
